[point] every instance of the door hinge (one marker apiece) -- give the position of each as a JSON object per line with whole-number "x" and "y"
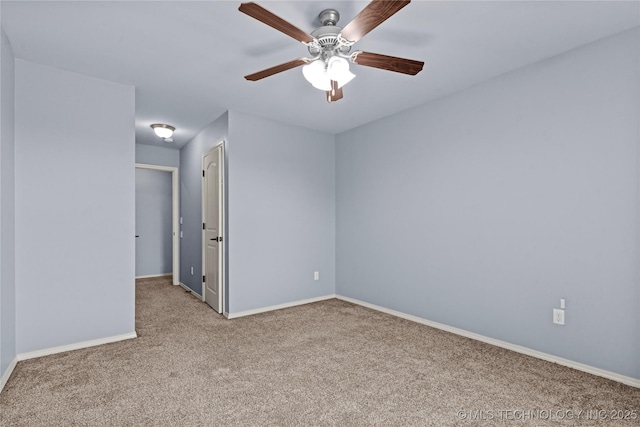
{"x": 203, "y": 278}
{"x": 203, "y": 226}
{"x": 203, "y": 174}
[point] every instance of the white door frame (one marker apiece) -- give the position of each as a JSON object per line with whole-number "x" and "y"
{"x": 221, "y": 225}
{"x": 175, "y": 205}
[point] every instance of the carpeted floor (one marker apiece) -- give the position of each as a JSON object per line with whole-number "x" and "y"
{"x": 328, "y": 363}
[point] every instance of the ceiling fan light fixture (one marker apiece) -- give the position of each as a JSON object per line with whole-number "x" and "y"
{"x": 162, "y": 130}
{"x": 338, "y": 70}
{"x": 329, "y": 45}
{"x": 316, "y": 74}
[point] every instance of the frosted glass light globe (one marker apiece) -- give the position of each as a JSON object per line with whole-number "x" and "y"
{"x": 316, "y": 74}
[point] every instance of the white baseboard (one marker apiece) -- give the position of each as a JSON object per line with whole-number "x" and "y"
{"x": 634, "y": 382}
{"x": 186, "y": 288}
{"x": 76, "y": 346}
{"x": 154, "y": 275}
{"x": 277, "y": 307}
{"x": 8, "y": 372}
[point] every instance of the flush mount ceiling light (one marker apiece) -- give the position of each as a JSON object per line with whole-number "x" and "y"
{"x": 163, "y": 131}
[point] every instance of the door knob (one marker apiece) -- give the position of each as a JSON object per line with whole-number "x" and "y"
{"x": 217, "y": 239}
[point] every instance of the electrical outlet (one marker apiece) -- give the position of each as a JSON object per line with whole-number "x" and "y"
{"x": 316, "y": 275}
{"x": 558, "y": 316}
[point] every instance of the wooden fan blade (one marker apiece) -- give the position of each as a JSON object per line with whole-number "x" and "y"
{"x": 274, "y": 21}
{"x": 390, "y": 63}
{"x": 277, "y": 69}
{"x": 370, "y": 17}
{"x": 335, "y": 93}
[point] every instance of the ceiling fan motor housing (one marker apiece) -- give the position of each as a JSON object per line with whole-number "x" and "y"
{"x": 327, "y": 36}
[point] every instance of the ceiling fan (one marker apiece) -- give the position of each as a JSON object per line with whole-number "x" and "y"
{"x": 330, "y": 46}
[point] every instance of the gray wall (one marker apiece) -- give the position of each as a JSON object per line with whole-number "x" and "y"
{"x": 281, "y": 213}
{"x": 154, "y": 248}
{"x": 159, "y": 156}
{"x": 191, "y": 200}
{"x": 482, "y": 209}
{"x": 7, "y": 207}
{"x": 75, "y": 191}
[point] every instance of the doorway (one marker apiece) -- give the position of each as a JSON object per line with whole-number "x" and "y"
{"x": 213, "y": 227}
{"x": 175, "y": 220}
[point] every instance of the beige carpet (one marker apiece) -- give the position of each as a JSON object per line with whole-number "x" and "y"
{"x": 328, "y": 363}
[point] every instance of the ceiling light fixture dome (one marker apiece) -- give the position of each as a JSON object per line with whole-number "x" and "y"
{"x": 320, "y": 73}
{"x": 316, "y": 74}
{"x": 338, "y": 70}
{"x": 162, "y": 130}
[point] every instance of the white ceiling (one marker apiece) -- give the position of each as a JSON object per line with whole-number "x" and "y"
{"x": 187, "y": 59}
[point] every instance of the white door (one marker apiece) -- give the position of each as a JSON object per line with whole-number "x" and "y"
{"x": 212, "y": 227}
